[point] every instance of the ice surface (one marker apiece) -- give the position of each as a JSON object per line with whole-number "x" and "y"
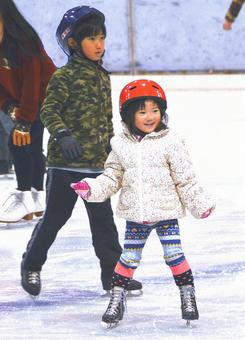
{"x": 209, "y": 112}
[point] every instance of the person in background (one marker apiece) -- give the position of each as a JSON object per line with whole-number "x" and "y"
{"x": 6, "y": 126}
{"x": 151, "y": 167}
{"x": 25, "y": 69}
{"x": 232, "y": 14}
{"x": 77, "y": 112}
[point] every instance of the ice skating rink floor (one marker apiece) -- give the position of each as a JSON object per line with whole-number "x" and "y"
{"x": 209, "y": 111}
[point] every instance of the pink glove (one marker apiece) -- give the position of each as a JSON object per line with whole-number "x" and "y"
{"x": 207, "y": 213}
{"x": 82, "y": 189}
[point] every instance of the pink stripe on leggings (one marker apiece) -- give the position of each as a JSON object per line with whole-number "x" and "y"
{"x": 180, "y": 268}
{"x": 127, "y": 272}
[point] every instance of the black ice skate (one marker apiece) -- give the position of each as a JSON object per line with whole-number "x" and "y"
{"x": 31, "y": 281}
{"x": 115, "y": 310}
{"x": 134, "y": 289}
{"x": 188, "y": 303}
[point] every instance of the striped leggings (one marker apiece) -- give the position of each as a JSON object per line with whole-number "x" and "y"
{"x": 136, "y": 236}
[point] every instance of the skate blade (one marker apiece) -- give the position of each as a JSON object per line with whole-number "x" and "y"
{"x": 8, "y": 222}
{"x": 129, "y": 293}
{"x": 188, "y": 323}
{"x": 134, "y": 293}
{"x": 34, "y": 297}
{"x": 109, "y": 325}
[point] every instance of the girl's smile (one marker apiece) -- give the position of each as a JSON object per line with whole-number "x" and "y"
{"x": 148, "y": 118}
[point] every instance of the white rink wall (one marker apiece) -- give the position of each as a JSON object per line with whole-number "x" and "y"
{"x": 165, "y": 36}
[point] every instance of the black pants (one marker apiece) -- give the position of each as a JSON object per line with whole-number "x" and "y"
{"x": 60, "y": 200}
{"x": 29, "y": 161}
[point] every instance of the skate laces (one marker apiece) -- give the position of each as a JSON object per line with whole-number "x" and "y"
{"x": 117, "y": 297}
{"x": 188, "y": 295}
{"x": 33, "y": 277}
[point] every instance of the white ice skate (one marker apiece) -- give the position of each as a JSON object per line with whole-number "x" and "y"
{"x": 18, "y": 205}
{"x": 39, "y": 200}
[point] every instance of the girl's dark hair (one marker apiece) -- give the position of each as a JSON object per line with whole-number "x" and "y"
{"x": 19, "y": 38}
{"x": 92, "y": 26}
{"x": 129, "y": 116}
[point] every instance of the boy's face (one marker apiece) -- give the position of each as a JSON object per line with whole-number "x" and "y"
{"x": 93, "y": 47}
{"x": 148, "y": 118}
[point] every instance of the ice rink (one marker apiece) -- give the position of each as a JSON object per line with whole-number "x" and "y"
{"x": 209, "y": 112}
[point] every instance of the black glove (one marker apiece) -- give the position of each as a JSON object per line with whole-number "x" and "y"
{"x": 71, "y": 150}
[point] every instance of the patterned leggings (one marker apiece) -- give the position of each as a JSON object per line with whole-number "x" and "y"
{"x": 136, "y": 236}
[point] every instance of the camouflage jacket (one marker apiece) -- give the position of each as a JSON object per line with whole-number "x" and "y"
{"x": 79, "y": 99}
{"x": 234, "y": 10}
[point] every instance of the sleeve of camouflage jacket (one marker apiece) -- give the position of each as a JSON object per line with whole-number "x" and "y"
{"x": 234, "y": 10}
{"x": 56, "y": 96}
{"x": 182, "y": 172}
{"x": 108, "y": 183}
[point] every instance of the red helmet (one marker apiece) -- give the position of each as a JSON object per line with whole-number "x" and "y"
{"x": 142, "y": 89}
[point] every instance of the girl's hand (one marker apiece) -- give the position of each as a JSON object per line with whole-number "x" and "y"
{"x": 227, "y": 25}
{"x": 82, "y": 189}
{"x": 207, "y": 213}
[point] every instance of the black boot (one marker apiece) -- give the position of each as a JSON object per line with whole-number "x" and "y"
{"x": 134, "y": 288}
{"x": 115, "y": 310}
{"x": 30, "y": 281}
{"x": 188, "y": 303}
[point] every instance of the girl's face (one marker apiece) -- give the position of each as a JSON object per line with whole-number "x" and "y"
{"x": 148, "y": 118}
{"x": 93, "y": 47}
{"x": 1, "y": 29}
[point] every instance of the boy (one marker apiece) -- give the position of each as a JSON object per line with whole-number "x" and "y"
{"x": 78, "y": 115}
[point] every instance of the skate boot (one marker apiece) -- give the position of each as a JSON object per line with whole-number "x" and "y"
{"x": 115, "y": 310}
{"x": 30, "y": 281}
{"x": 39, "y": 200}
{"x": 18, "y": 205}
{"x": 134, "y": 289}
{"x": 188, "y": 303}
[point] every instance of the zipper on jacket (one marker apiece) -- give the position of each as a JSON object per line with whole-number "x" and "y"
{"x": 139, "y": 161}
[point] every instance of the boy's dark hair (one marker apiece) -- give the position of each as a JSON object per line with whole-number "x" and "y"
{"x": 88, "y": 28}
{"x": 92, "y": 26}
{"x": 20, "y": 38}
{"x": 129, "y": 116}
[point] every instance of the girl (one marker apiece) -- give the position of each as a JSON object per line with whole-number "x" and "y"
{"x": 151, "y": 166}
{"x": 25, "y": 70}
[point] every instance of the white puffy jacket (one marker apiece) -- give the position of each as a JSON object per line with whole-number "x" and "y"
{"x": 156, "y": 178}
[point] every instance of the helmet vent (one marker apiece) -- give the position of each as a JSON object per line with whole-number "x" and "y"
{"x": 132, "y": 88}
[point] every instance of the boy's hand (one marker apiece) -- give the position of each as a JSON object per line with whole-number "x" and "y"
{"x": 71, "y": 150}
{"x": 207, "y": 213}
{"x": 82, "y": 189}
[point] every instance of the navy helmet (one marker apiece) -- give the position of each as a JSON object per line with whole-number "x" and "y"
{"x": 66, "y": 27}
